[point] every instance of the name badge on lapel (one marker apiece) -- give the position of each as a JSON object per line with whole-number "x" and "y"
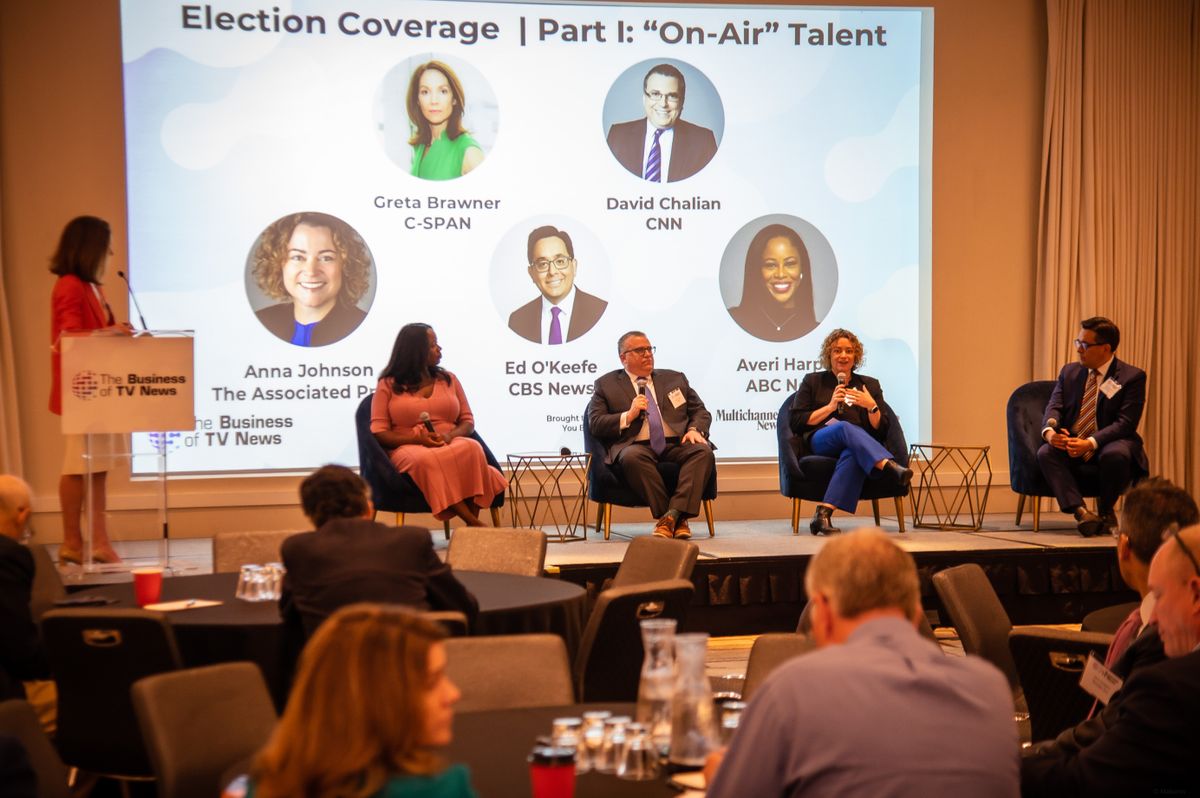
{"x": 1109, "y": 388}
{"x": 676, "y": 398}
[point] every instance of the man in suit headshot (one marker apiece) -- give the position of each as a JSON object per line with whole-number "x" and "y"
{"x": 563, "y": 312}
{"x": 1091, "y": 423}
{"x": 644, "y": 416}
{"x": 662, "y": 147}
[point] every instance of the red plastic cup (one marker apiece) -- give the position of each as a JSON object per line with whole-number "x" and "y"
{"x": 147, "y": 585}
{"x": 552, "y": 772}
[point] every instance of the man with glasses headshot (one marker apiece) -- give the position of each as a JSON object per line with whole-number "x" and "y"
{"x": 563, "y": 312}
{"x": 662, "y": 148}
{"x": 1150, "y": 746}
{"x": 1090, "y": 425}
{"x": 645, "y": 416}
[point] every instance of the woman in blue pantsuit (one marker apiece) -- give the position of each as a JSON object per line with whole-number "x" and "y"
{"x": 840, "y": 413}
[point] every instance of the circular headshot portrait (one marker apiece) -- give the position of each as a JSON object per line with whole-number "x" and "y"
{"x": 663, "y": 120}
{"x": 310, "y": 279}
{"x": 437, "y": 117}
{"x": 549, "y": 279}
{"x": 778, "y": 277}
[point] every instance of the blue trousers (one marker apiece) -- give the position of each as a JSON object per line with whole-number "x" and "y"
{"x": 856, "y": 452}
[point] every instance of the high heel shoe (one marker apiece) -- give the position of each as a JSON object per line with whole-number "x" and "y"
{"x": 67, "y": 554}
{"x": 820, "y": 524}
{"x": 105, "y": 555}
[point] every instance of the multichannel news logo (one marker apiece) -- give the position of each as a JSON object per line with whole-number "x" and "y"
{"x": 87, "y": 385}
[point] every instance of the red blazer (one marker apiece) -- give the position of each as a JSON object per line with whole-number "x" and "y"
{"x": 73, "y": 307}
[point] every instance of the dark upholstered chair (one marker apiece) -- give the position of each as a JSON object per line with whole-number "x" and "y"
{"x": 768, "y": 653}
{"x": 47, "y": 582}
{"x": 199, "y": 722}
{"x": 804, "y": 625}
{"x": 96, "y": 655}
{"x": 19, "y": 721}
{"x": 1049, "y": 664}
{"x": 978, "y": 616}
{"x": 498, "y": 550}
{"x": 1025, "y": 409}
{"x": 607, "y": 487}
{"x": 651, "y": 559}
{"x": 391, "y": 491}
{"x": 806, "y": 478}
{"x": 510, "y": 671}
{"x": 609, "y": 664}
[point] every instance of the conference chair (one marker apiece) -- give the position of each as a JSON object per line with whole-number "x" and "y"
{"x": 651, "y": 559}
{"x": 199, "y": 722}
{"x": 498, "y": 550}
{"x": 19, "y": 721}
{"x": 609, "y": 663}
{"x": 804, "y": 625}
{"x": 95, "y": 656}
{"x": 978, "y": 617}
{"x": 454, "y": 622}
{"x": 606, "y": 485}
{"x": 509, "y": 671}
{"x": 47, "y": 582}
{"x": 1049, "y": 663}
{"x": 1024, "y": 412}
{"x": 807, "y": 478}
{"x": 768, "y": 653}
{"x": 392, "y": 491}
{"x": 232, "y": 550}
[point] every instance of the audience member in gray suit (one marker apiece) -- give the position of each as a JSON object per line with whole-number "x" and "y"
{"x": 878, "y": 710}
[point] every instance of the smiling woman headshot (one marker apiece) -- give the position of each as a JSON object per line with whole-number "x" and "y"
{"x": 777, "y": 287}
{"x": 442, "y": 148}
{"x": 318, "y": 269}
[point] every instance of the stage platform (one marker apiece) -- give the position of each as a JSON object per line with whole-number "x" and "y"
{"x": 750, "y": 577}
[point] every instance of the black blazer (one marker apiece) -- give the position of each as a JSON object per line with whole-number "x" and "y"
{"x": 526, "y": 321}
{"x": 614, "y": 393}
{"x": 21, "y": 654}
{"x": 691, "y": 150}
{"x": 353, "y": 559}
{"x": 816, "y": 389}
{"x": 337, "y": 324}
{"x": 1116, "y": 418}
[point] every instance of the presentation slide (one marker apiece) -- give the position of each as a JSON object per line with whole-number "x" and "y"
{"x": 532, "y": 180}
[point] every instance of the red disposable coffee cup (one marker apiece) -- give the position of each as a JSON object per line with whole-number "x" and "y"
{"x": 552, "y": 772}
{"x": 147, "y": 585}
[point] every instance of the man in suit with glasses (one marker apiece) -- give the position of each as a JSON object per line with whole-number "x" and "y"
{"x": 563, "y": 312}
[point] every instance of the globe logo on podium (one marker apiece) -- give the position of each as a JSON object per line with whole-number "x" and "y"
{"x": 84, "y": 385}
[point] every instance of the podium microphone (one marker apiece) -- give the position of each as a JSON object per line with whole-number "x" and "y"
{"x": 133, "y": 296}
{"x": 841, "y": 406}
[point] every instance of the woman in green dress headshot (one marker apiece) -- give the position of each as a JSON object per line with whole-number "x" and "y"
{"x": 442, "y": 148}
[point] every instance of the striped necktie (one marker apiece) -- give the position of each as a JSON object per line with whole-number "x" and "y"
{"x": 654, "y": 159}
{"x": 1086, "y": 424}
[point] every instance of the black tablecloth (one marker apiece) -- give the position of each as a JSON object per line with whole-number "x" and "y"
{"x": 494, "y": 745}
{"x": 241, "y": 630}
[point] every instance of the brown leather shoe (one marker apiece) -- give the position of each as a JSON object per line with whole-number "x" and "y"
{"x": 665, "y": 528}
{"x": 1088, "y": 523}
{"x": 682, "y": 531}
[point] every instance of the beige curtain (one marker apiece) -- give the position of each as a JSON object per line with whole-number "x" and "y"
{"x": 10, "y": 425}
{"x": 1120, "y": 205}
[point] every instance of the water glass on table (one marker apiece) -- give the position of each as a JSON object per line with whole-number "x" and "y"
{"x": 639, "y": 760}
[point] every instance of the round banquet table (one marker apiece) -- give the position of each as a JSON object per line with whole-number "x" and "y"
{"x": 494, "y": 745}
{"x": 241, "y": 630}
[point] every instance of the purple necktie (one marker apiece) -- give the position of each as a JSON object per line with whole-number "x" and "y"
{"x": 658, "y": 441}
{"x": 555, "y": 327}
{"x": 654, "y": 159}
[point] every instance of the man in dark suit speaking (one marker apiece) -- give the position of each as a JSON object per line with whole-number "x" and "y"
{"x": 662, "y": 147}
{"x": 563, "y": 312}
{"x": 1092, "y": 417}
{"x": 645, "y": 415}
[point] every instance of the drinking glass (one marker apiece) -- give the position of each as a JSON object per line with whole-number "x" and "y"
{"x": 639, "y": 761}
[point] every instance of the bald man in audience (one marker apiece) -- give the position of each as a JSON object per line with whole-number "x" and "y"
{"x": 21, "y": 654}
{"x": 1152, "y": 746}
{"x": 878, "y": 710}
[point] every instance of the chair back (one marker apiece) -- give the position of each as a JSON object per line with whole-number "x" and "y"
{"x": 1024, "y": 412}
{"x": 199, "y": 722}
{"x": 454, "y": 622}
{"x": 768, "y": 653}
{"x": 609, "y": 663}
{"x": 1050, "y": 663}
{"x": 509, "y": 671}
{"x": 978, "y": 616}
{"x": 232, "y": 550}
{"x": 19, "y": 720}
{"x": 95, "y": 656}
{"x": 498, "y": 550}
{"x": 651, "y": 559}
{"x": 47, "y": 582}
{"x": 804, "y": 625}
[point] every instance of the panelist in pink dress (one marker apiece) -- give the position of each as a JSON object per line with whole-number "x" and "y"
{"x": 446, "y": 463}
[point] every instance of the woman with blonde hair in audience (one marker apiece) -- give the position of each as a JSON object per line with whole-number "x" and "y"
{"x": 370, "y": 706}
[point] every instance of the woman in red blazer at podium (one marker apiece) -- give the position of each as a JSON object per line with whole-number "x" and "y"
{"x": 78, "y": 304}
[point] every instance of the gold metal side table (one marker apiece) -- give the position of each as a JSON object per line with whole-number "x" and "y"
{"x": 948, "y": 481}
{"x": 548, "y": 488}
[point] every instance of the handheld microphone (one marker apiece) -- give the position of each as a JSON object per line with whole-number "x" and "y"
{"x": 425, "y": 420}
{"x": 133, "y": 296}
{"x": 564, "y": 451}
{"x": 641, "y": 384}
{"x": 1052, "y": 423}
{"x": 841, "y": 406}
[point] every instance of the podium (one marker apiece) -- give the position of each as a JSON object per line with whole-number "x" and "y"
{"x": 117, "y": 383}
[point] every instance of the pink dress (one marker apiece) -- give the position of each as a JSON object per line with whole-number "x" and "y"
{"x": 445, "y": 474}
